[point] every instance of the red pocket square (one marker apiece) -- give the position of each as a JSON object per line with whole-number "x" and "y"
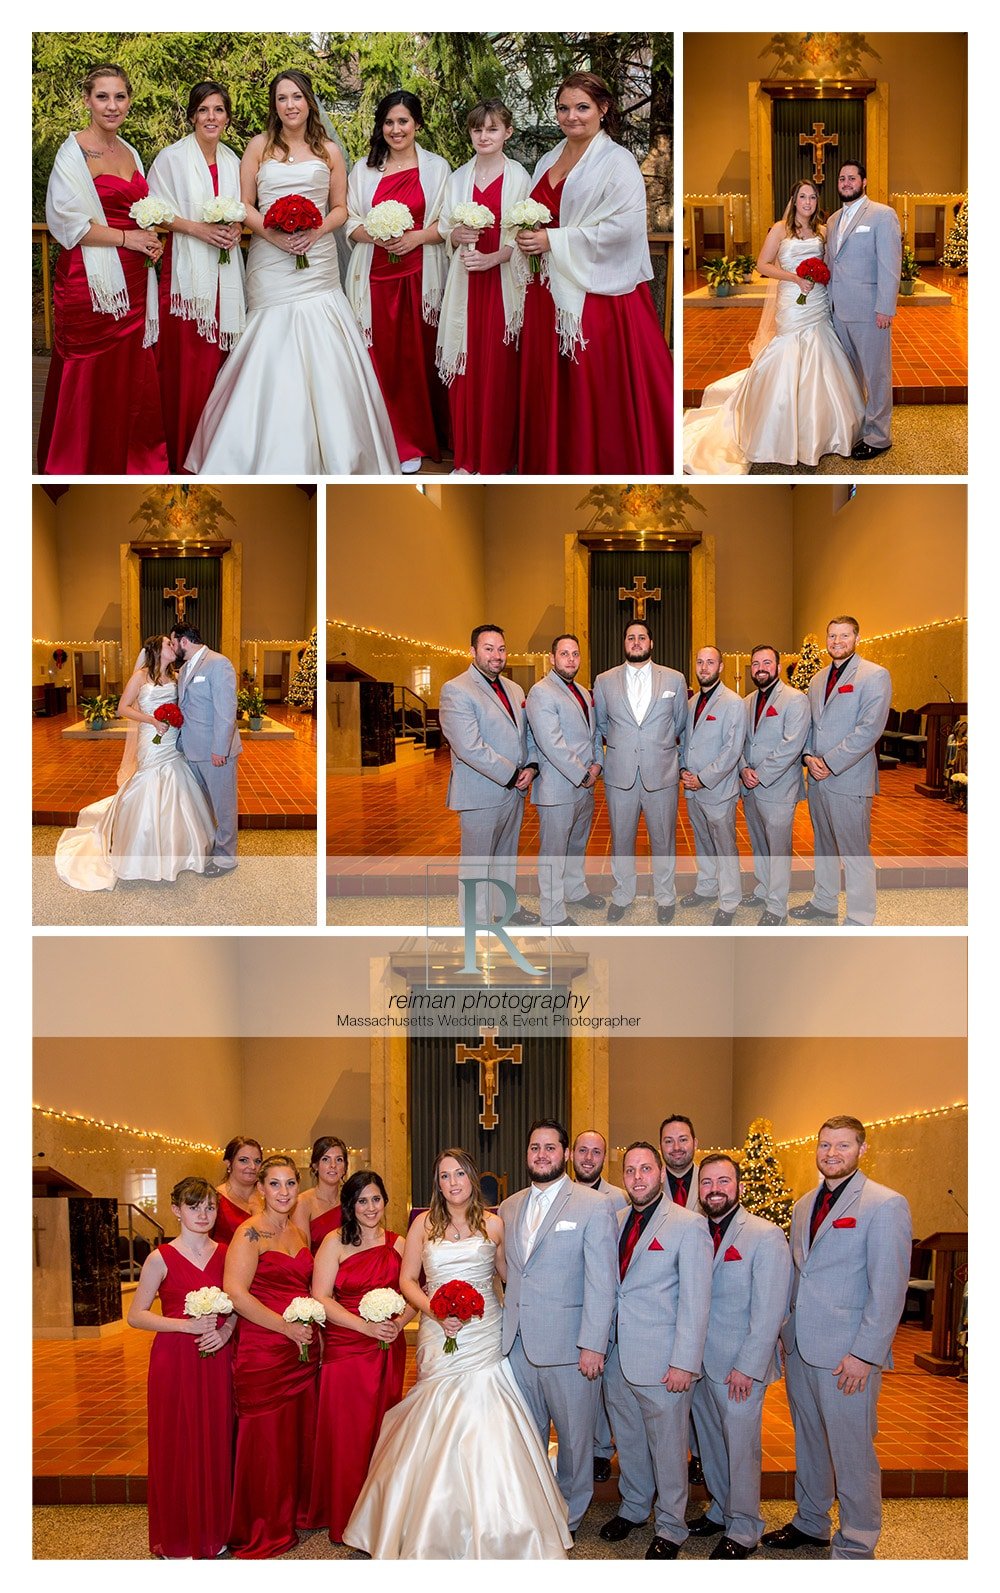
{"x": 845, "y": 1222}
{"x": 770, "y": 713}
{"x": 656, "y": 1245}
{"x": 711, "y": 717}
{"x": 732, "y": 1254}
{"x": 848, "y": 687}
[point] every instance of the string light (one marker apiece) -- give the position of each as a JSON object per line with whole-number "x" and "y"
{"x": 301, "y": 1153}
{"x": 810, "y": 1139}
{"x": 414, "y": 641}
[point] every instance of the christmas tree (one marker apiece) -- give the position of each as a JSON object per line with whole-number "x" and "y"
{"x": 956, "y": 250}
{"x": 302, "y": 691}
{"x": 809, "y": 661}
{"x": 762, "y": 1187}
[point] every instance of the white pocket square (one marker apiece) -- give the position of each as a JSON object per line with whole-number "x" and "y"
{"x": 564, "y": 1227}
{"x": 668, "y": 694}
{"x": 196, "y": 679}
{"x": 862, "y": 229}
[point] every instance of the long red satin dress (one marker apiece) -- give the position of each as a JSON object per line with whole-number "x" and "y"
{"x": 403, "y": 345}
{"x": 609, "y": 411}
{"x": 228, "y": 1217}
{"x": 329, "y": 1222}
{"x": 359, "y": 1382}
{"x": 191, "y": 1415}
{"x": 483, "y": 401}
{"x": 276, "y": 1407}
{"x": 187, "y": 363}
{"x": 101, "y": 414}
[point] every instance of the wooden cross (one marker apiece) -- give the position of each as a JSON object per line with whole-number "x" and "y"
{"x": 488, "y": 1055}
{"x": 819, "y": 140}
{"x": 180, "y": 594}
{"x": 640, "y": 597}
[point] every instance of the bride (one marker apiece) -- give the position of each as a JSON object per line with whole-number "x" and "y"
{"x": 298, "y": 392}
{"x": 158, "y": 823}
{"x": 458, "y": 1472}
{"x": 800, "y": 398}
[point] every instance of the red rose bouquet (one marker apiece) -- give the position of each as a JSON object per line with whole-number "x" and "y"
{"x": 292, "y": 213}
{"x": 456, "y": 1299}
{"x": 816, "y": 270}
{"x": 168, "y": 713}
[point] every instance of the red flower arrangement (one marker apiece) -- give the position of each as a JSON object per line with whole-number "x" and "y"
{"x": 293, "y": 213}
{"x": 816, "y": 270}
{"x": 456, "y": 1299}
{"x": 168, "y": 713}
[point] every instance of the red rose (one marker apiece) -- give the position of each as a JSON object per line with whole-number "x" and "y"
{"x": 293, "y": 213}
{"x": 168, "y": 713}
{"x": 816, "y": 270}
{"x": 456, "y": 1299}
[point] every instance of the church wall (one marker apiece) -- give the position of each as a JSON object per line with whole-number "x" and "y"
{"x": 649, "y": 1078}
{"x": 192, "y": 1089}
{"x": 525, "y": 560}
{"x": 752, "y": 527}
{"x": 46, "y": 609}
{"x": 325, "y": 1088}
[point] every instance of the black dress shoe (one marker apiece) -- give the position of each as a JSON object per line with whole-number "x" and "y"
{"x": 729, "y": 1549}
{"x": 212, "y": 870}
{"x": 617, "y": 1528}
{"x": 602, "y": 1469}
{"x": 522, "y": 917}
{"x": 703, "y": 1527}
{"x": 662, "y": 1549}
{"x": 692, "y": 899}
{"x": 751, "y": 900}
{"x": 770, "y": 920}
{"x": 591, "y": 902}
{"x": 616, "y": 913}
{"x": 865, "y": 451}
{"x": 790, "y": 1537}
{"x": 563, "y": 923}
{"x": 665, "y": 915}
{"x": 722, "y": 918}
{"x": 808, "y": 914}
{"x": 696, "y": 1477}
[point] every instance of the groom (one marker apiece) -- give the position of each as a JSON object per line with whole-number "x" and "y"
{"x": 863, "y": 252}
{"x": 209, "y": 739}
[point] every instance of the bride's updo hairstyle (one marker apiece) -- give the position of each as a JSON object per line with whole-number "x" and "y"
{"x": 152, "y": 647}
{"x": 274, "y": 134}
{"x": 350, "y": 1228}
{"x": 378, "y": 152}
{"x": 789, "y": 216}
{"x": 438, "y": 1217}
{"x": 597, "y": 90}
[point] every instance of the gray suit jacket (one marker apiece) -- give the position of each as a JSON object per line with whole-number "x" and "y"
{"x": 774, "y": 750}
{"x": 617, "y": 1198}
{"x": 650, "y": 750}
{"x": 751, "y": 1286}
{"x": 712, "y": 750}
{"x": 562, "y": 1297}
{"x": 849, "y": 1287}
{"x": 564, "y": 741}
{"x": 864, "y": 262}
{"x": 487, "y": 746}
{"x": 663, "y": 1300}
{"x": 206, "y": 696}
{"x": 846, "y": 729}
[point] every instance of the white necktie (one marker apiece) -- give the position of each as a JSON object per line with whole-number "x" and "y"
{"x": 639, "y": 691}
{"x": 532, "y": 1221}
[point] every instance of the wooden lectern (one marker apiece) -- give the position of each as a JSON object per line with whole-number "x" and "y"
{"x": 951, "y": 1265}
{"x": 940, "y": 717}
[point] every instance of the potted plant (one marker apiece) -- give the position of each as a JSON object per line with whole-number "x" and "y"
{"x": 250, "y": 701}
{"x": 909, "y": 270}
{"x": 744, "y": 264}
{"x": 721, "y": 276}
{"x": 98, "y": 710}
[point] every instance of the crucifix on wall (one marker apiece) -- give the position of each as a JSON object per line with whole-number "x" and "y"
{"x": 639, "y": 596}
{"x": 180, "y": 594}
{"x": 819, "y": 140}
{"x": 488, "y": 1055}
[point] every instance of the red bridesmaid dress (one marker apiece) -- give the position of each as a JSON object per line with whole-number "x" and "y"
{"x": 403, "y": 345}
{"x": 187, "y": 363}
{"x": 321, "y": 1226}
{"x": 228, "y": 1217}
{"x": 484, "y": 400}
{"x": 276, "y": 1407}
{"x": 101, "y": 414}
{"x": 190, "y": 1400}
{"x": 358, "y": 1383}
{"x": 609, "y": 411}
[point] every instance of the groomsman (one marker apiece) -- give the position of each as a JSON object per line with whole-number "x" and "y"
{"x": 849, "y": 702}
{"x": 492, "y": 764}
{"x": 589, "y": 1151}
{"x": 678, "y": 1143}
{"x": 751, "y": 1281}
{"x": 851, "y": 1242}
{"x": 570, "y": 754}
{"x": 664, "y": 1290}
{"x": 641, "y": 710}
{"x": 776, "y": 729}
{"x": 710, "y": 778}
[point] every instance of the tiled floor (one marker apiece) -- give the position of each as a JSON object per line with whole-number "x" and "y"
{"x": 277, "y": 784}
{"x": 930, "y": 346}
{"x": 90, "y": 1423}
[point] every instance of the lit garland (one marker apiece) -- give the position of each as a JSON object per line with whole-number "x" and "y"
{"x": 301, "y": 1153}
{"x": 810, "y": 1139}
{"x": 882, "y": 636}
{"x": 414, "y": 641}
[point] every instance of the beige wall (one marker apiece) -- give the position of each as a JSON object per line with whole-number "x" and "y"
{"x": 191, "y": 1088}
{"x": 649, "y": 1078}
{"x": 330, "y": 1091}
{"x": 46, "y": 608}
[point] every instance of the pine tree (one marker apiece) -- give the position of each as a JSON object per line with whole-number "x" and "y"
{"x": 762, "y": 1186}
{"x": 809, "y": 662}
{"x": 956, "y": 250}
{"x": 302, "y": 691}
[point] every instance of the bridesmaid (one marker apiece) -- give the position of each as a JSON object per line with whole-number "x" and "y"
{"x": 239, "y": 1197}
{"x": 318, "y": 1210}
{"x": 483, "y": 304}
{"x": 190, "y": 1387}
{"x": 397, "y": 300}
{"x": 596, "y": 374}
{"x": 202, "y": 299}
{"x": 101, "y": 413}
{"x": 268, "y": 1265}
{"x": 363, "y": 1362}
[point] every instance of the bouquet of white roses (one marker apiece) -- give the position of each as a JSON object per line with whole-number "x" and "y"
{"x": 381, "y": 1305}
{"x": 525, "y": 216}
{"x": 388, "y": 220}
{"x": 150, "y": 213}
{"x": 223, "y": 208}
{"x": 209, "y": 1301}
{"x": 469, "y": 214}
{"x": 304, "y": 1309}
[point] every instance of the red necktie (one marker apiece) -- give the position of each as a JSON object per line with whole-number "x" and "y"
{"x": 699, "y": 706}
{"x": 503, "y": 698}
{"x": 680, "y": 1193}
{"x": 631, "y": 1240}
{"x": 578, "y": 694}
{"x": 716, "y": 1236}
{"x": 832, "y": 680}
{"x": 761, "y": 700}
{"x": 819, "y": 1212}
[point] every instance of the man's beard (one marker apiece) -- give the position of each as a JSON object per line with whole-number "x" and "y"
{"x": 547, "y": 1178}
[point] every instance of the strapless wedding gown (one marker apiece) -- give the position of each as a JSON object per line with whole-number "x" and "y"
{"x": 458, "y": 1472}
{"x": 156, "y": 825}
{"x": 298, "y": 394}
{"x": 799, "y": 400}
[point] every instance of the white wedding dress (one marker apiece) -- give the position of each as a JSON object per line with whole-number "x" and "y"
{"x": 298, "y": 394}
{"x": 459, "y": 1472}
{"x": 156, "y": 824}
{"x": 799, "y": 400}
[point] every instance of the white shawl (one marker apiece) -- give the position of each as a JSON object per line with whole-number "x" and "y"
{"x": 180, "y": 175}
{"x": 72, "y": 206}
{"x": 452, "y": 343}
{"x": 361, "y": 185}
{"x": 600, "y": 245}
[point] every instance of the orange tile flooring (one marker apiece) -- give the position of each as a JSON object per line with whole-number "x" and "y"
{"x": 929, "y": 353}
{"x": 277, "y": 784}
{"x": 90, "y": 1424}
{"x": 382, "y": 828}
